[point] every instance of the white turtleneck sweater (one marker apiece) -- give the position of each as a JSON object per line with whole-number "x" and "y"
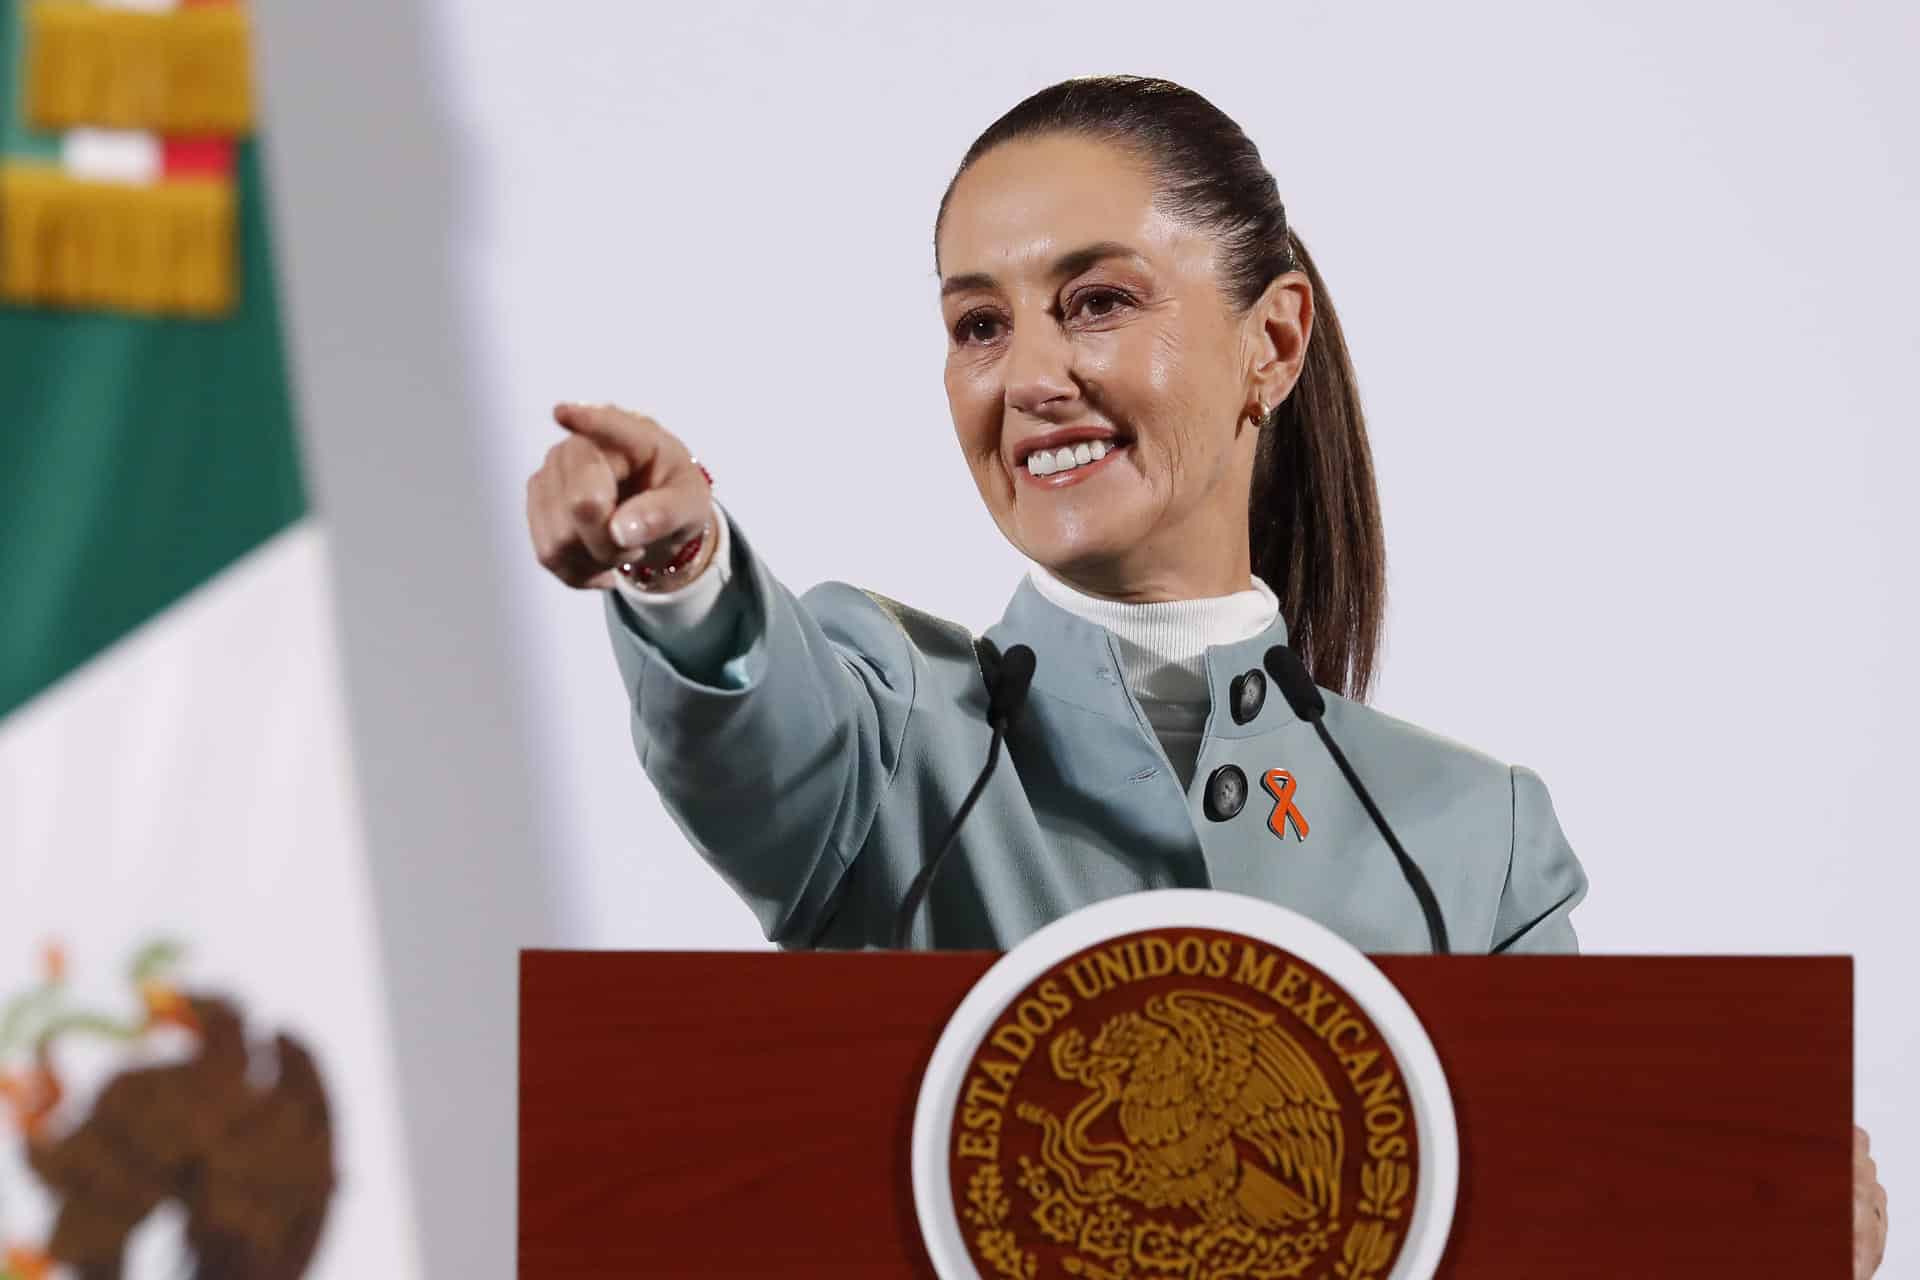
{"x": 1162, "y": 646}
{"x": 1163, "y": 652}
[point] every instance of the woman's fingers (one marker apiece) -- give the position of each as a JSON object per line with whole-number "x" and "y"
{"x": 1869, "y": 1210}
{"x": 619, "y": 489}
{"x": 586, "y": 479}
{"x": 670, "y": 512}
{"x": 556, "y": 544}
{"x": 662, "y": 521}
{"x": 631, "y": 440}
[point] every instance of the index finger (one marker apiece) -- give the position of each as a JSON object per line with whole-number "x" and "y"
{"x": 633, "y": 436}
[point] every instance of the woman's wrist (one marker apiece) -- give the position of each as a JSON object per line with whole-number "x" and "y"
{"x": 689, "y": 561}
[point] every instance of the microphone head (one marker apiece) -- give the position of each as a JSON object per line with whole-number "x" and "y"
{"x": 1010, "y": 685}
{"x": 989, "y": 655}
{"x": 1296, "y": 686}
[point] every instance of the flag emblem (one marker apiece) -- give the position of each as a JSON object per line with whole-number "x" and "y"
{"x": 117, "y": 185}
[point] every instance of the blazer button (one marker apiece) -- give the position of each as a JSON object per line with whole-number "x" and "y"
{"x": 1226, "y": 793}
{"x": 1247, "y": 694}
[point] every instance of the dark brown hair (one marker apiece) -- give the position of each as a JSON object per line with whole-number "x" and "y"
{"x": 1314, "y": 516}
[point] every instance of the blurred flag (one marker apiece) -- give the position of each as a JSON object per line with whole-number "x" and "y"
{"x": 195, "y": 1073}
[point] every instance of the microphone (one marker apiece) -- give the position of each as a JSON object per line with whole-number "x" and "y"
{"x": 1008, "y": 679}
{"x": 1298, "y": 688}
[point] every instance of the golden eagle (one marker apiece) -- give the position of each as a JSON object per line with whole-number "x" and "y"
{"x": 1220, "y": 1111}
{"x": 251, "y": 1164}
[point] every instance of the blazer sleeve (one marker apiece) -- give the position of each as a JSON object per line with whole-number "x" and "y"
{"x": 1545, "y": 882}
{"x": 774, "y": 765}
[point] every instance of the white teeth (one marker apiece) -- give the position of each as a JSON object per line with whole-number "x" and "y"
{"x": 1046, "y": 462}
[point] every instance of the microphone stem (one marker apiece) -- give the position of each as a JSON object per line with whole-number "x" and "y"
{"x": 1429, "y": 905}
{"x": 910, "y": 905}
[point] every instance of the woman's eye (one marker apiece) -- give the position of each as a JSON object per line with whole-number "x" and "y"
{"x": 976, "y": 326}
{"x": 1098, "y": 304}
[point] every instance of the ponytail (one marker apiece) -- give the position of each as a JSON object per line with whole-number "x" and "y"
{"x": 1314, "y": 516}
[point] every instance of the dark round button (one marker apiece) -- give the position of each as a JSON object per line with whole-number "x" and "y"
{"x": 1226, "y": 793}
{"x": 1247, "y": 694}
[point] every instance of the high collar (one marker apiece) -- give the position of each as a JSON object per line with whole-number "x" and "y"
{"x": 1163, "y": 643}
{"x": 1078, "y": 661}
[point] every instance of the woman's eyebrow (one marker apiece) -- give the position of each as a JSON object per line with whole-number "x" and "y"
{"x": 1067, "y": 264}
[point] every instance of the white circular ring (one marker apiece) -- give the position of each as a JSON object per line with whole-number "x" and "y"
{"x": 1439, "y": 1182}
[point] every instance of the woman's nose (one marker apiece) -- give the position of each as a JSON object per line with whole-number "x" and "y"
{"x": 1039, "y": 368}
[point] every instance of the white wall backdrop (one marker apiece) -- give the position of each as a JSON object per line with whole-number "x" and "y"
{"x": 1630, "y": 288}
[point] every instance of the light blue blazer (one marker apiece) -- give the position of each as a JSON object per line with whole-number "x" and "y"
{"x": 822, "y": 762}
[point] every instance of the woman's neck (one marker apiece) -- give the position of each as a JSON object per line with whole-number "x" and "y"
{"x": 1151, "y": 586}
{"x": 1163, "y": 569}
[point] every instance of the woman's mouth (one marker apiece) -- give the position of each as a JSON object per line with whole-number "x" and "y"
{"x": 1069, "y": 463}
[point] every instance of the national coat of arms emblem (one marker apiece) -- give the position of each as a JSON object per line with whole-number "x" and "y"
{"x": 1194, "y": 1102}
{"x": 234, "y": 1136}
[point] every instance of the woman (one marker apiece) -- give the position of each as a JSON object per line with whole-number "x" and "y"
{"x": 1150, "y": 388}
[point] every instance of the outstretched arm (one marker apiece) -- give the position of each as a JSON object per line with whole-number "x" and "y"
{"x": 774, "y": 758}
{"x": 770, "y": 726}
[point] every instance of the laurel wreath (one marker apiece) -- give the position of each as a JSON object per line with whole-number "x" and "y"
{"x": 988, "y": 1208}
{"x": 1364, "y": 1252}
{"x": 1383, "y": 1186}
{"x": 1368, "y": 1247}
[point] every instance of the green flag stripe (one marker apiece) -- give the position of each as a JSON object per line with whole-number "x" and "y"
{"x": 138, "y": 457}
{"x": 17, "y": 141}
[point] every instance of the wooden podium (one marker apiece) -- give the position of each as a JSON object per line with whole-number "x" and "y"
{"x": 749, "y": 1114}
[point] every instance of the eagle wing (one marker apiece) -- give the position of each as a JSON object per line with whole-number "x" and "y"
{"x": 1160, "y": 1104}
{"x": 268, "y": 1176}
{"x": 1265, "y": 1089}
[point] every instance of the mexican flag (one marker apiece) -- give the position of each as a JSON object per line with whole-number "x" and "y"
{"x": 195, "y": 1072}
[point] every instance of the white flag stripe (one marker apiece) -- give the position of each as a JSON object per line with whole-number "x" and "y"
{"x": 193, "y": 782}
{"x": 111, "y": 155}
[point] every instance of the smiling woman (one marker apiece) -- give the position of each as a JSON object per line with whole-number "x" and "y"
{"x": 1151, "y": 391}
{"x": 1194, "y": 315}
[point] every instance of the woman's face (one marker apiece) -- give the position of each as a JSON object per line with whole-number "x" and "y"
{"x": 1099, "y": 378}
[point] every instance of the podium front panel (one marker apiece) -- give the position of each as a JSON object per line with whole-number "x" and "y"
{"x": 733, "y": 1114}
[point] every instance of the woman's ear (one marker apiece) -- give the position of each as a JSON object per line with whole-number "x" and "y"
{"x": 1282, "y": 323}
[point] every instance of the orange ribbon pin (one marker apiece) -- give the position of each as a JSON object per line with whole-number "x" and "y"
{"x": 1281, "y": 785}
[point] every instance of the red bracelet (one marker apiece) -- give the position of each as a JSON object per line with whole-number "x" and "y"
{"x": 646, "y": 576}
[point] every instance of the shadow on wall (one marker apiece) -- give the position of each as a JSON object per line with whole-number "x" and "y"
{"x": 365, "y": 174}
